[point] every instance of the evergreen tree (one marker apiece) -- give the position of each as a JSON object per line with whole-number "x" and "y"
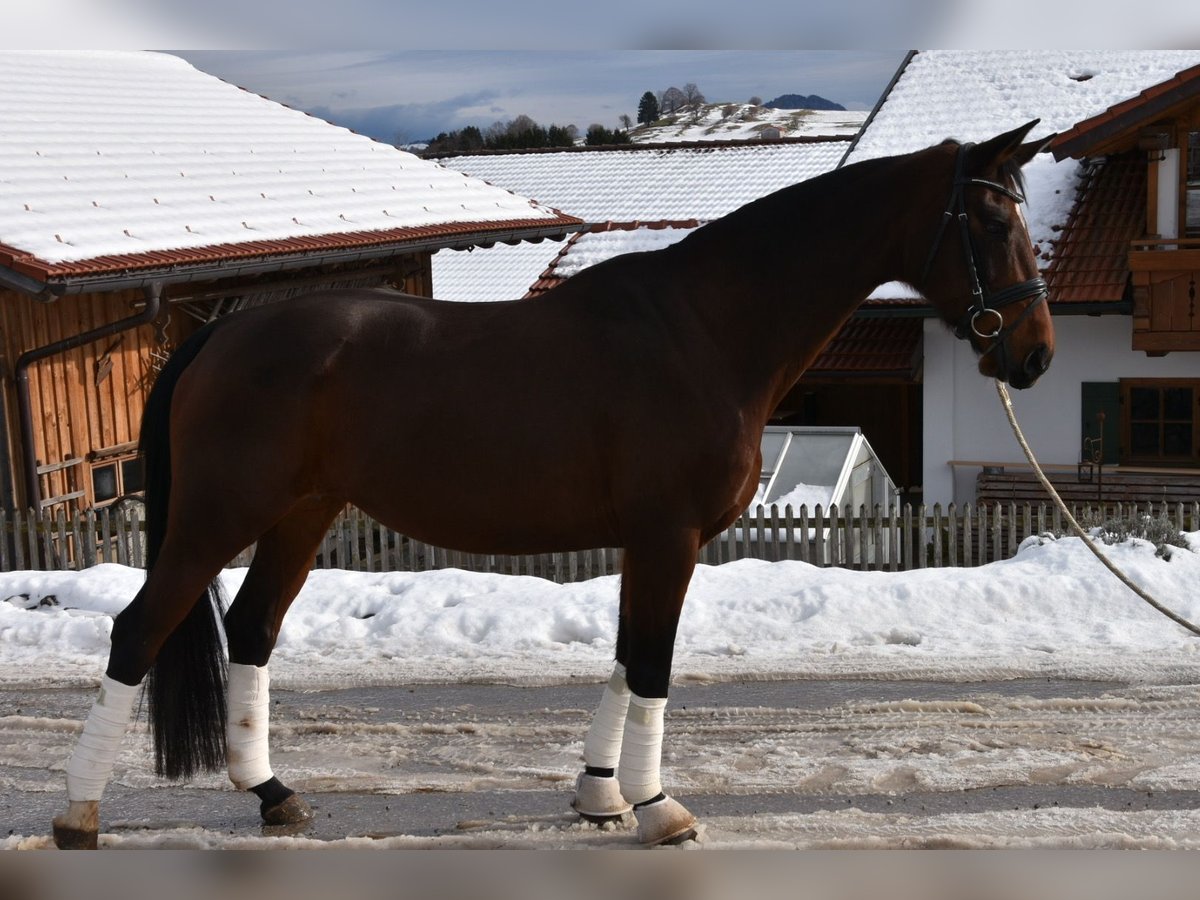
{"x": 647, "y": 109}
{"x": 598, "y": 135}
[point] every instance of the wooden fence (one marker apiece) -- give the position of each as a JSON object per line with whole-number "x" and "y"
{"x": 895, "y": 539}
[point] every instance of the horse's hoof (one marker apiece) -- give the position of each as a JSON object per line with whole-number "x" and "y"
{"x": 599, "y": 800}
{"x": 79, "y": 827}
{"x": 68, "y": 837}
{"x": 665, "y": 821}
{"x": 292, "y": 811}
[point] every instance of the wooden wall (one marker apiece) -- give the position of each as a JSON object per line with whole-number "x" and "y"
{"x": 87, "y": 403}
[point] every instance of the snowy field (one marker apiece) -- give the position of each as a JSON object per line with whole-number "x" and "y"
{"x": 1051, "y": 610}
{"x": 742, "y": 121}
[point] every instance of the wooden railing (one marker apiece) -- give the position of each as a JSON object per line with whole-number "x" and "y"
{"x": 895, "y": 539}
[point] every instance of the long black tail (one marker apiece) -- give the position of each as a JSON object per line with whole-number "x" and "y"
{"x": 186, "y": 684}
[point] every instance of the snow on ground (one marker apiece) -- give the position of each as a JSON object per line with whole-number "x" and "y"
{"x": 1052, "y": 609}
{"x": 744, "y": 121}
{"x": 807, "y": 495}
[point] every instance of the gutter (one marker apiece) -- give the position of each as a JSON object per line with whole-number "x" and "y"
{"x": 54, "y": 287}
{"x": 33, "y": 493}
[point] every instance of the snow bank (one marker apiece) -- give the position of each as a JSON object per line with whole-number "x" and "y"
{"x": 1051, "y": 610}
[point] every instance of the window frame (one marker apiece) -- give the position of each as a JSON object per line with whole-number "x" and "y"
{"x": 1127, "y": 456}
{"x": 119, "y": 460}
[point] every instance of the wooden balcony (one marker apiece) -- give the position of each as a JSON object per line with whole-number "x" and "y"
{"x": 1166, "y": 315}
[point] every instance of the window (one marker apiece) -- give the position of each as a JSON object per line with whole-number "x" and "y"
{"x": 115, "y": 477}
{"x": 1191, "y": 210}
{"x": 1159, "y": 422}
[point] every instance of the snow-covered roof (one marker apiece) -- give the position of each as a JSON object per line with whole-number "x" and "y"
{"x": 649, "y": 183}
{"x": 502, "y": 272}
{"x": 120, "y": 160}
{"x": 973, "y": 95}
{"x": 594, "y": 247}
{"x": 510, "y": 272}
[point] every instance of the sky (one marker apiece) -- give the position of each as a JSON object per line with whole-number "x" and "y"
{"x": 412, "y": 95}
{"x": 1050, "y": 610}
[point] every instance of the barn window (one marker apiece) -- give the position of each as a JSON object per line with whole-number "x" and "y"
{"x": 104, "y": 483}
{"x": 1159, "y": 421}
{"x": 132, "y": 476}
{"x": 116, "y": 472}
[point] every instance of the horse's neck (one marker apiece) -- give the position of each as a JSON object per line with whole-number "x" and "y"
{"x": 775, "y": 281}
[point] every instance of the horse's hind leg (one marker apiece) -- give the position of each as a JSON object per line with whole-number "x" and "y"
{"x": 281, "y": 563}
{"x": 168, "y": 595}
{"x": 655, "y": 576}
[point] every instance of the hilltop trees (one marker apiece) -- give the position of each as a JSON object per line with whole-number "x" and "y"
{"x": 673, "y": 100}
{"x": 520, "y": 133}
{"x": 598, "y": 135}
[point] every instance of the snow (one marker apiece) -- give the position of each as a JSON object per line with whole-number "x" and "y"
{"x": 499, "y": 272}
{"x": 808, "y": 495}
{"x": 119, "y": 153}
{"x": 647, "y": 184}
{"x": 972, "y": 95}
{"x": 596, "y": 247}
{"x": 1052, "y": 609}
{"x": 743, "y": 121}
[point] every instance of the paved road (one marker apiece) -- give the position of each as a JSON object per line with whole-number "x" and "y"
{"x": 797, "y": 763}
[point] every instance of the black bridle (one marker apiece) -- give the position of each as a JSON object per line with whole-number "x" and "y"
{"x": 984, "y": 303}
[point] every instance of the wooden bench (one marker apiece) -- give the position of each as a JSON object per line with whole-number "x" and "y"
{"x": 1010, "y": 485}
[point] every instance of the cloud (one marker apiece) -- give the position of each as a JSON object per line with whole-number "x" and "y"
{"x": 408, "y": 121}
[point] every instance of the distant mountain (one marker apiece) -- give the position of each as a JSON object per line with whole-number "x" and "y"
{"x": 799, "y": 101}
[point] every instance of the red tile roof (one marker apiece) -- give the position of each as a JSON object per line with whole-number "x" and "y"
{"x": 1091, "y": 260}
{"x": 876, "y": 347}
{"x": 1154, "y": 102}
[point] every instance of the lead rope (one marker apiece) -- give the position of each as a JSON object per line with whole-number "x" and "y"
{"x": 1002, "y": 390}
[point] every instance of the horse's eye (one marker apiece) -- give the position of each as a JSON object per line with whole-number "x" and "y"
{"x": 996, "y": 228}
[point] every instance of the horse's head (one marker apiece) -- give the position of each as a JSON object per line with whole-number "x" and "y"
{"x": 980, "y": 269}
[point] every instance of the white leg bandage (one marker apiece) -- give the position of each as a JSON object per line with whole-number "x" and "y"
{"x": 91, "y": 764}
{"x": 248, "y": 719}
{"x": 641, "y": 751}
{"x": 602, "y": 747}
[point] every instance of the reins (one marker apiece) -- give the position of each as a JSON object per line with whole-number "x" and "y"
{"x": 1002, "y": 390}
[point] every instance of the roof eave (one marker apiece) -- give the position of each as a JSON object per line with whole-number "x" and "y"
{"x": 1096, "y": 136}
{"x": 53, "y": 285}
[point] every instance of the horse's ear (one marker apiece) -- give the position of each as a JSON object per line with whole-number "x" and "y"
{"x": 992, "y": 154}
{"x": 1030, "y": 149}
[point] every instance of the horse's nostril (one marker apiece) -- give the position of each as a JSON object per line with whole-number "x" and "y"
{"x": 1038, "y": 361}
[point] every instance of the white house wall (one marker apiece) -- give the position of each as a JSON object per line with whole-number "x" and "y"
{"x": 963, "y": 418}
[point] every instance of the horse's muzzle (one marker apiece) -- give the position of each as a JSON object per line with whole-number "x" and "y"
{"x": 1034, "y": 366}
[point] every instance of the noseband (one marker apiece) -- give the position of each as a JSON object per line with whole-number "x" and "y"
{"x": 985, "y": 305}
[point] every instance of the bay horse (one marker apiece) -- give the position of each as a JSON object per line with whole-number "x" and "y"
{"x": 624, "y": 408}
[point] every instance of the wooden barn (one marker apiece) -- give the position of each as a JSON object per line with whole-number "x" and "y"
{"x": 139, "y": 198}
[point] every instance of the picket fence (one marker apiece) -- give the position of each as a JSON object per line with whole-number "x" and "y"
{"x": 893, "y": 539}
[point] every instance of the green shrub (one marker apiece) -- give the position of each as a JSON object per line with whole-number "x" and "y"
{"x": 1158, "y": 530}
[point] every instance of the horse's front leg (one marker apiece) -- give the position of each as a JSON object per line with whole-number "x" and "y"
{"x": 654, "y": 580}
